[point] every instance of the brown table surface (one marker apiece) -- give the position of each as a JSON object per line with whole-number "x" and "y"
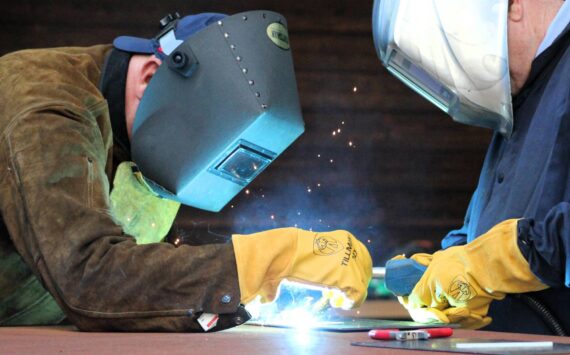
{"x": 242, "y": 340}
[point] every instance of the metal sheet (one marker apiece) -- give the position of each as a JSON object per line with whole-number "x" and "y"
{"x": 355, "y": 325}
{"x": 449, "y": 345}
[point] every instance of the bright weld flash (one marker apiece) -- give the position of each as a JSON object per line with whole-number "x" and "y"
{"x": 295, "y": 317}
{"x": 303, "y": 311}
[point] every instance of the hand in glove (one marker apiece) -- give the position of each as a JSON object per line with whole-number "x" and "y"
{"x": 334, "y": 260}
{"x": 461, "y": 282}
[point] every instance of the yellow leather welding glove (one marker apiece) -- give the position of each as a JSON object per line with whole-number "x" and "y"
{"x": 142, "y": 214}
{"x": 460, "y": 283}
{"x": 334, "y": 260}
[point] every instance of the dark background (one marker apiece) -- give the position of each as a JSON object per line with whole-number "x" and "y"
{"x": 406, "y": 180}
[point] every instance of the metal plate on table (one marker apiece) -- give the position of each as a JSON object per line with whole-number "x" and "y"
{"x": 355, "y": 325}
{"x": 491, "y": 346}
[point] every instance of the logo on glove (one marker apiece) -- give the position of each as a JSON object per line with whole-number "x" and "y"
{"x": 460, "y": 290}
{"x": 348, "y": 252}
{"x": 325, "y": 245}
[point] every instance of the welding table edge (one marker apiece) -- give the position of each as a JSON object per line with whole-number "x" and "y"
{"x": 245, "y": 339}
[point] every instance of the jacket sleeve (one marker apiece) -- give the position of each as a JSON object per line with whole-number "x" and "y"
{"x": 55, "y": 202}
{"x": 546, "y": 245}
{"x": 459, "y": 236}
{"x": 455, "y": 237}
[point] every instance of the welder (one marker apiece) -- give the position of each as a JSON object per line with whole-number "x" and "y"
{"x": 101, "y": 145}
{"x": 504, "y": 65}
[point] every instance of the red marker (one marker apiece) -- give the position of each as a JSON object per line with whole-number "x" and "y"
{"x": 383, "y": 334}
{"x": 439, "y": 332}
{"x": 419, "y": 334}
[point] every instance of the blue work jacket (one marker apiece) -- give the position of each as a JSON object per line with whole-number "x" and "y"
{"x": 528, "y": 176}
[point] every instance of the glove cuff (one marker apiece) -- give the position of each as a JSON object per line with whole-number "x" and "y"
{"x": 506, "y": 270}
{"x": 263, "y": 260}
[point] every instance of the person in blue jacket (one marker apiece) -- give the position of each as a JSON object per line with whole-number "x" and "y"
{"x": 514, "y": 246}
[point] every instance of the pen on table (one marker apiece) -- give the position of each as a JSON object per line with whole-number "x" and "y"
{"x": 419, "y": 334}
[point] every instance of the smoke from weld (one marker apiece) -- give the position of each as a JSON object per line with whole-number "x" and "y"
{"x": 332, "y": 193}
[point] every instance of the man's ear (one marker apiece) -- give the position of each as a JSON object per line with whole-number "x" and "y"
{"x": 516, "y": 11}
{"x": 146, "y": 72}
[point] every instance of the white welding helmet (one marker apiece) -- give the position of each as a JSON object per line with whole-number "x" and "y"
{"x": 452, "y": 52}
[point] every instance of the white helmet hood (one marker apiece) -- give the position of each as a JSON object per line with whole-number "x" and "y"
{"x": 452, "y": 52}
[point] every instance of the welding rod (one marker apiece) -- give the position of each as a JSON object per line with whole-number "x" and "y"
{"x": 378, "y": 272}
{"x": 321, "y": 306}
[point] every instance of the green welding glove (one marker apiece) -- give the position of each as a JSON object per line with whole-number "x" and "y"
{"x": 142, "y": 214}
{"x": 328, "y": 260}
{"x": 460, "y": 283}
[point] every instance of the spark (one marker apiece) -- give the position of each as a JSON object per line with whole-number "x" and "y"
{"x": 318, "y": 155}
{"x": 350, "y": 144}
{"x": 319, "y": 184}
{"x": 232, "y": 206}
{"x": 338, "y": 130}
{"x": 369, "y": 241}
{"x": 309, "y": 189}
{"x": 332, "y": 161}
{"x": 247, "y": 192}
{"x": 272, "y": 216}
{"x": 298, "y": 213}
{"x": 334, "y": 133}
{"x": 355, "y": 89}
{"x": 342, "y": 123}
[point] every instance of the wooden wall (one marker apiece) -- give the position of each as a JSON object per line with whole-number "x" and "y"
{"x": 411, "y": 172}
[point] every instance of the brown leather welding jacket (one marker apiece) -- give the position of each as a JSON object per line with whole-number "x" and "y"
{"x": 55, "y": 167}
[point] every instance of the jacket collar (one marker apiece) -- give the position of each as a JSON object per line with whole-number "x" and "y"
{"x": 543, "y": 65}
{"x": 112, "y": 85}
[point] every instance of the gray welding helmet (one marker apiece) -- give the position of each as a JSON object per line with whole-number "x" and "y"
{"x": 452, "y": 52}
{"x": 221, "y": 107}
